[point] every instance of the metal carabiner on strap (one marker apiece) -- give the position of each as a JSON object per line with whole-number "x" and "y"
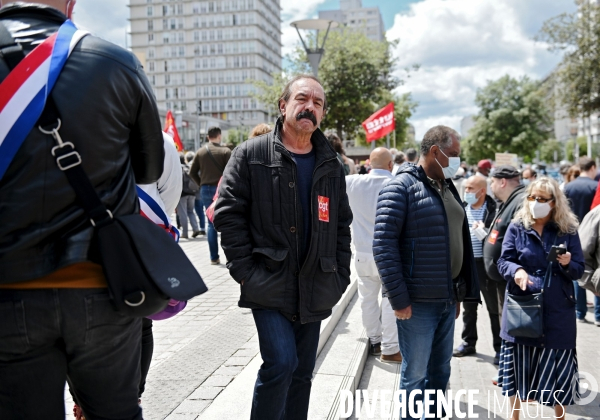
{"x": 54, "y": 133}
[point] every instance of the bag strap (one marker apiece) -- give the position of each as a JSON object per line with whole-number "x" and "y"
{"x": 548, "y": 275}
{"x": 68, "y": 160}
{"x": 221, "y": 168}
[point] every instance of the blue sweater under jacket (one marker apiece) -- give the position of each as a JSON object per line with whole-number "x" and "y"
{"x": 411, "y": 242}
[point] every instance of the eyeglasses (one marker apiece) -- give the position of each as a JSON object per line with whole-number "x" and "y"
{"x": 539, "y": 199}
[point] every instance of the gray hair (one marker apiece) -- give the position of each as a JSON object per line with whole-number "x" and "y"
{"x": 287, "y": 90}
{"x": 440, "y": 136}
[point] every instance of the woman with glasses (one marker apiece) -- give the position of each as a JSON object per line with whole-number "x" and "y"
{"x": 542, "y": 369}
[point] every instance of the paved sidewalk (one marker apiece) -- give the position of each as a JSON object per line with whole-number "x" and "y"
{"x": 477, "y": 371}
{"x": 201, "y": 350}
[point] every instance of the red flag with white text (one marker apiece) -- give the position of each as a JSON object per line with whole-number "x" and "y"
{"x": 380, "y": 123}
{"x": 171, "y": 130}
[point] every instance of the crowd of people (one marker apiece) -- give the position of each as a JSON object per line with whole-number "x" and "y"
{"x": 424, "y": 234}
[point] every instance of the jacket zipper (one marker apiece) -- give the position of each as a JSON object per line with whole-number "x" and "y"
{"x": 412, "y": 257}
{"x": 310, "y": 244}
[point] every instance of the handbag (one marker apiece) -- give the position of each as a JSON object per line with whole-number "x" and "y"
{"x": 144, "y": 268}
{"x": 525, "y": 314}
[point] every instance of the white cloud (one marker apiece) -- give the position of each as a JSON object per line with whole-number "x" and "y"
{"x": 292, "y": 11}
{"x": 106, "y": 19}
{"x": 461, "y": 45}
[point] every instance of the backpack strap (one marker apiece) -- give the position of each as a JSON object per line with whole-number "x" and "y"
{"x": 221, "y": 168}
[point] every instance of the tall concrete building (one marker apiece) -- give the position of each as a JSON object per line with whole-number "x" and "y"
{"x": 353, "y": 15}
{"x": 202, "y": 55}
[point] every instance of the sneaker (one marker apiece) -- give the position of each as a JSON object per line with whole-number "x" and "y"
{"x": 202, "y": 232}
{"x": 463, "y": 350}
{"x": 78, "y": 413}
{"x": 375, "y": 349}
{"x": 215, "y": 262}
{"x": 495, "y": 380}
{"x": 497, "y": 359}
{"x": 391, "y": 358}
{"x": 184, "y": 237}
{"x": 196, "y": 233}
{"x": 597, "y": 323}
{"x": 582, "y": 320}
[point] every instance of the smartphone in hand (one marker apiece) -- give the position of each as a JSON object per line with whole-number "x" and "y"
{"x": 555, "y": 251}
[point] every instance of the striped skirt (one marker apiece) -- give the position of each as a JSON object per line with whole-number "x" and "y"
{"x": 548, "y": 376}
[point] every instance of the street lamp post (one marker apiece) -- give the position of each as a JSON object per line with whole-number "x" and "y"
{"x": 314, "y": 54}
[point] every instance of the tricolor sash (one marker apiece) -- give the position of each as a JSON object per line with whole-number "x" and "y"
{"x": 152, "y": 209}
{"x": 24, "y": 92}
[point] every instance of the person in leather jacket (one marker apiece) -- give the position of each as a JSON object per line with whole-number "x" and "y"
{"x": 284, "y": 219}
{"x": 57, "y": 319}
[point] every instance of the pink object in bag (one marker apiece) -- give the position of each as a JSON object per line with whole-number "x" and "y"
{"x": 172, "y": 309}
{"x": 210, "y": 211}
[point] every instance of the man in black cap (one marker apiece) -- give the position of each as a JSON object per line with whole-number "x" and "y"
{"x": 507, "y": 188}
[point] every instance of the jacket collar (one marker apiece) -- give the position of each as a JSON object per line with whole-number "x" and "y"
{"x": 32, "y": 10}
{"x": 323, "y": 149}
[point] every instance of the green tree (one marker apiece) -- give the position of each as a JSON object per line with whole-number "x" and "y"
{"x": 571, "y": 149}
{"x": 548, "y": 148}
{"x": 356, "y": 74}
{"x": 578, "y": 35}
{"x": 512, "y": 118}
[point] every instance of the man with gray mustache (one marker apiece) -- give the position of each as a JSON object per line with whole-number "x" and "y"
{"x": 284, "y": 219}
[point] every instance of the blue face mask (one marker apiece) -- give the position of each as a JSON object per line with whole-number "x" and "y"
{"x": 470, "y": 198}
{"x": 526, "y": 181}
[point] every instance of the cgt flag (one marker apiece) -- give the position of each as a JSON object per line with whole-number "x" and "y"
{"x": 380, "y": 123}
{"x": 171, "y": 130}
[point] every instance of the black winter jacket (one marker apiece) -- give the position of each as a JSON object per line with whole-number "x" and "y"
{"x": 260, "y": 219}
{"x": 411, "y": 242}
{"x": 492, "y": 244}
{"x": 108, "y": 112}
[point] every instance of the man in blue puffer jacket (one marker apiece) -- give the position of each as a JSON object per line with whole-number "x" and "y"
{"x": 423, "y": 252}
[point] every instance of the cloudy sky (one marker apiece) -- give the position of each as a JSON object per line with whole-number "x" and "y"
{"x": 459, "y": 44}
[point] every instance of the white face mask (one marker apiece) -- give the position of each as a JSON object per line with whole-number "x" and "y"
{"x": 539, "y": 210}
{"x": 453, "y": 165}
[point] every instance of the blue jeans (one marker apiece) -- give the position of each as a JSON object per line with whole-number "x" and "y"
{"x": 581, "y": 305}
{"x": 426, "y": 341}
{"x": 199, "y": 207}
{"x": 289, "y": 353}
{"x": 50, "y": 335}
{"x": 207, "y": 193}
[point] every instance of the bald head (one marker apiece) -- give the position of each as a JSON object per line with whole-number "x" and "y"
{"x": 476, "y": 185}
{"x": 475, "y": 182}
{"x": 381, "y": 158}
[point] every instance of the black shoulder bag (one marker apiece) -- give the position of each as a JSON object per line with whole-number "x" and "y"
{"x": 525, "y": 314}
{"x": 144, "y": 266}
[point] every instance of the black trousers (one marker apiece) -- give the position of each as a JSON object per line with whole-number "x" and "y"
{"x": 493, "y": 295}
{"x": 147, "y": 350}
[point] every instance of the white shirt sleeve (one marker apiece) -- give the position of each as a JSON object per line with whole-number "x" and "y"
{"x": 166, "y": 192}
{"x": 170, "y": 182}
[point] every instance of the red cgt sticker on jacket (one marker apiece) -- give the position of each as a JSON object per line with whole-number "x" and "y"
{"x": 323, "y": 209}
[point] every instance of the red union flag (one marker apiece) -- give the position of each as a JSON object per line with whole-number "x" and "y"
{"x": 171, "y": 130}
{"x": 380, "y": 123}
